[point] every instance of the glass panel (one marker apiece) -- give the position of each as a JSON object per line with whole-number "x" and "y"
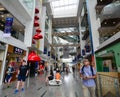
{"x": 28, "y": 4}
{"x": 62, "y": 8}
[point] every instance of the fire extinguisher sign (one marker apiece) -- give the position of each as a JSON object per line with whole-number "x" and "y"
{"x": 8, "y": 27}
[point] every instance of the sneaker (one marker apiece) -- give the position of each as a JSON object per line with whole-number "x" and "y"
{"x": 22, "y": 89}
{"x": 16, "y": 91}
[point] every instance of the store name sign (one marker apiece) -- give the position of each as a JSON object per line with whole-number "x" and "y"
{"x": 18, "y": 50}
{"x": 8, "y": 27}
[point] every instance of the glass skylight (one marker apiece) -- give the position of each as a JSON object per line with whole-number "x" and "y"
{"x": 64, "y": 8}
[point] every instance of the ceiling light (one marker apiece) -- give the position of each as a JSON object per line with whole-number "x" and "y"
{"x": 2, "y": 9}
{"x": 2, "y": 16}
{"x": 101, "y": 0}
{"x": 2, "y": 25}
{"x": 105, "y": 23}
{"x": 114, "y": 22}
{"x": 8, "y": 15}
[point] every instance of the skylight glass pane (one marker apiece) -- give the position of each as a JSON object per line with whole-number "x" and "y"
{"x": 64, "y": 8}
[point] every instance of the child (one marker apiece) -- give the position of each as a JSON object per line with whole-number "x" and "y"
{"x": 9, "y": 74}
{"x": 58, "y": 76}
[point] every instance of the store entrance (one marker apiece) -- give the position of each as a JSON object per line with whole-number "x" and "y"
{"x": 109, "y": 63}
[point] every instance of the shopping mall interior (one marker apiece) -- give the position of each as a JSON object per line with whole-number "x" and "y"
{"x": 60, "y": 34}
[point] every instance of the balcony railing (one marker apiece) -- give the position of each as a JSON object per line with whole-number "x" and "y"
{"x": 108, "y": 86}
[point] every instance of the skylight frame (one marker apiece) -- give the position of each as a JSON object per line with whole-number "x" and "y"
{"x": 64, "y": 8}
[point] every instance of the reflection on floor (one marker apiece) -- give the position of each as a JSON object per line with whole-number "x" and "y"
{"x": 37, "y": 88}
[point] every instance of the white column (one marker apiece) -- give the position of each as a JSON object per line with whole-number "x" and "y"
{"x": 28, "y": 33}
{"x": 42, "y": 24}
{"x": 94, "y": 22}
{"x": 50, "y": 31}
{"x": 82, "y": 42}
{"x": 3, "y": 66}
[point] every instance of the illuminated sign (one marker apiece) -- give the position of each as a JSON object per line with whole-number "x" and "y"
{"x": 18, "y": 50}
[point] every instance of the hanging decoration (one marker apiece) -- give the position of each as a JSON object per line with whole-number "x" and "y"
{"x": 36, "y": 18}
{"x": 40, "y": 36}
{"x": 36, "y": 10}
{"x": 33, "y": 41}
{"x": 36, "y": 24}
{"x": 33, "y": 57}
{"x": 38, "y": 30}
{"x": 37, "y": 36}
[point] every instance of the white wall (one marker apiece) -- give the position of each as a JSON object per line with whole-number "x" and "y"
{"x": 82, "y": 42}
{"x": 95, "y": 23}
{"x": 43, "y": 17}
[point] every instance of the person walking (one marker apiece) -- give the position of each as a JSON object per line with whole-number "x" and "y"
{"x": 9, "y": 74}
{"x": 88, "y": 75}
{"x": 22, "y": 74}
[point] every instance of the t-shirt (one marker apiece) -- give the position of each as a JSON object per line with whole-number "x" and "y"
{"x": 57, "y": 76}
{"x": 23, "y": 70}
{"x": 10, "y": 70}
{"x": 88, "y": 73}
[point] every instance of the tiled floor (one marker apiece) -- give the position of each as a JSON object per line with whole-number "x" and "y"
{"x": 37, "y": 88}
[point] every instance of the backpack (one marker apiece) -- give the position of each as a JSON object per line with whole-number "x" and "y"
{"x": 91, "y": 68}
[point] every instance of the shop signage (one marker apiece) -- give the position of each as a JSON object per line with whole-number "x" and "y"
{"x": 8, "y": 27}
{"x": 18, "y": 50}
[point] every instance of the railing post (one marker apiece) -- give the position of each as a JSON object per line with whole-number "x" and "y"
{"x": 116, "y": 83}
{"x": 100, "y": 85}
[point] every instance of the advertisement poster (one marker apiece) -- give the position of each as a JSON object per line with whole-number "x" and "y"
{"x": 8, "y": 27}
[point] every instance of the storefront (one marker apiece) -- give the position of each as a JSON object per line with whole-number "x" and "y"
{"x": 108, "y": 59}
{"x": 14, "y": 56}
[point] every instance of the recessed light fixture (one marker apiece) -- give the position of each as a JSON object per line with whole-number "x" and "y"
{"x": 2, "y": 9}
{"x": 2, "y": 16}
{"x": 2, "y": 25}
{"x": 101, "y": 0}
{"x": 114, "y": 22}
{"x": 8, "y": 15}
{"x": 105, "y": 23}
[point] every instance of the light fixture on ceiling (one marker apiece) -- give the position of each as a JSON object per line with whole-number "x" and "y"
{"x": 114, "y": 32}
{"x": 2, "y": 9}
{"x": 8, "y": 15}
{"x": 101, "y": 0}
{"x": 114, "y": 22}
{"x": 2, "y": 25}
{"x": 2, "y": 16}
{"x": 105, "y": 23}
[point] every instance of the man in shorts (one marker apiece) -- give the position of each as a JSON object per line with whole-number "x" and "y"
{"x": 22, "y": 74}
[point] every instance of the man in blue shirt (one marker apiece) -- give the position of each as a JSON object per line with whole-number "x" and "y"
{"x": 88, "y": 75}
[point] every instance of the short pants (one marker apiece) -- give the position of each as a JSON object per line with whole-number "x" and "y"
{"x": 21, "y": 78}
{"x": 8, "y": 77}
